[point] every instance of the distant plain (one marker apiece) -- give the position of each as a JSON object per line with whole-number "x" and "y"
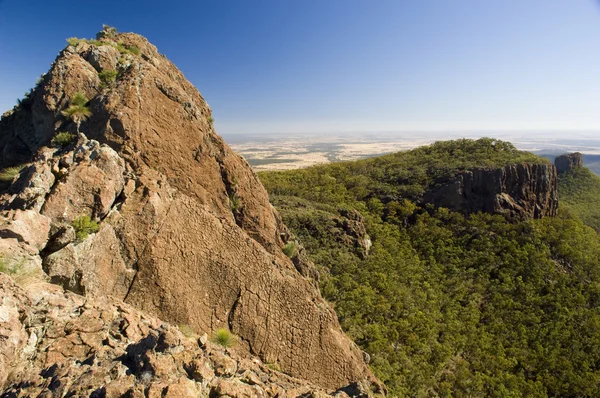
{"x": 286, "y": 152}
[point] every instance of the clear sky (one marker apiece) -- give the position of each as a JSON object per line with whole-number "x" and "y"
{"x": 345, "y": 65}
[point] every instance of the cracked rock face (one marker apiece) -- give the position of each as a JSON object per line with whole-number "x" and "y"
{"x": 186, "y": 231}
{"x": 56, "y": 343}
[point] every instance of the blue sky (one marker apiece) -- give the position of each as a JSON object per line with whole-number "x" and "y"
{"x": 307, "y": 66}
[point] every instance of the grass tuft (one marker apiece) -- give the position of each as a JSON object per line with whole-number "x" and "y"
{"x": 224, "y": 338}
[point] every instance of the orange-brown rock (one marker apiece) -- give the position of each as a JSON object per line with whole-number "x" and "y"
{"x": 56, "y": 344}
{"x": 187, "y": 232}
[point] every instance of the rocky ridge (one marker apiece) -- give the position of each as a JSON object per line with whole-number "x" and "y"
{"x": 186, "y": 231}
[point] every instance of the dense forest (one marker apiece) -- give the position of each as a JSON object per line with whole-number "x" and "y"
{"x": 448, "y": 304}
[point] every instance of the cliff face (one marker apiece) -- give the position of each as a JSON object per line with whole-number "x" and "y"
{"x": 517, "y": 191}
{"x": 186, "y": 231}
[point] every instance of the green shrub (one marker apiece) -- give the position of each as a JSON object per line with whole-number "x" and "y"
{"x": 291, "y": 249}
{"x": 63, "y": 139}
{"x": 125, "y": 49}
{"x": 224, "y": 338}
{"x": 7, "y": 174}
{"x": 211, "y": 120}
{"x": 134, "y": 50}
{"x": 108, "y": 77}
{"x": 235, "y": 202}
{"x": 74, "y": 41}
{"x": 84, "y": 226}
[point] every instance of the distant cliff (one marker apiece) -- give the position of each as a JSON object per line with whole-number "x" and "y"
{"x": 517, "y": 191}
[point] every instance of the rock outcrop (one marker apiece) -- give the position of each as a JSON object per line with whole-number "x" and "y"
{"x": 516, "y": 191}
{"x": 57, "y": 344}
{"x": 568, "y": 162}
{"x": 186, "y": 231}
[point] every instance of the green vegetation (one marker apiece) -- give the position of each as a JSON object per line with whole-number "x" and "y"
{"x": 579, "y": 193}
{"x": 291, "y": 249}
{"x": 84, "y": 226}
{"x": 9, "y": 173}
{"x": 63, "y": 139}
{"x": 446, "y": 304}
{"x": 235, "y": 202}
{"x": 125, "y": 49}
{"x": 108, "y": 77}
{"x": 78, "y": 110}
{"x": 224, "y": 338}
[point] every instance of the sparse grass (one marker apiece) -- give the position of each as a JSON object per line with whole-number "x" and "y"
{"x": 187, "y": 331}
{"x": 274, "y": 366}
{"x": 291, "y": 249}
{"x": 15, "y": 268}
{"x": 224, "y": 338}
{"x": 63, "y": 139}
{"x": 9, "y": 173}
{"x": 125, "y": 49}
{"x": 108, "y": 77}
{"x": 84, "y": 226}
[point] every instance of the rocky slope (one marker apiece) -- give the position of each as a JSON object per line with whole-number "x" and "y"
{"x": 61, "y": 344}
{"x": 517, "y": 191}
{"x": 186, "y": 231}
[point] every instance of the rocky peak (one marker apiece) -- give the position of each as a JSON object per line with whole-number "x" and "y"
{"x": 176, "y": 224}
{"x": 517, "y": 191}
{"x": 568, "y": 162}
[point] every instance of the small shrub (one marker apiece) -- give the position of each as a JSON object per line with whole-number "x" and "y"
{"x": 211, "y": 120}
{"x": 291, "y": 249}
{"x": 108, "y": 77}
{"x": 235, "y": 202}
{"x": 63, "y": 139}
{"x": 73, "y": 41}
{"x": 224, "y": 338}
{"x": 134, "y": 50}
{"x": 84, "y": 226}
{"x": 9, "y": 173}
